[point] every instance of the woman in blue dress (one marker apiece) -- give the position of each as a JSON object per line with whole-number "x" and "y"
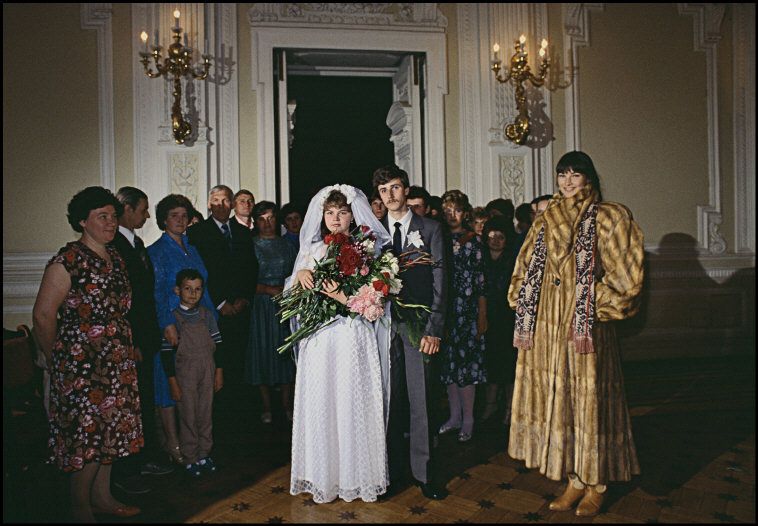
{"x": 463, "y": 347}
{"x": 264, "y": 366}
{"x": 170, "y": 254}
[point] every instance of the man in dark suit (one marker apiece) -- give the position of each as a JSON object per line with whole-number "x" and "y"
{"x": 228, "y": 252}
{"x": 145, "y": 334}
{"x": 414, "y": 383}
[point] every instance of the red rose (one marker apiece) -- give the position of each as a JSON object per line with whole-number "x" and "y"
{"x": 337, "y": 239}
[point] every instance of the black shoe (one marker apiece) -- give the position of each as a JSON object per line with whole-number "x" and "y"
{"x": 132, "y": 485}
{"x": 155, "y": 468}
{"x": 430, "y": 491}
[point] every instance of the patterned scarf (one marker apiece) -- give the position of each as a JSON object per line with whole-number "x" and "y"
{"x": 584, "y": 311}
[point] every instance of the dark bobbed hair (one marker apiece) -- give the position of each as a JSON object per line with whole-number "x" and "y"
{"x": 87, "y": 200}
{"x": 580, "y": 162}
{"x": 335, "y": 199}
{"x": 262, "y": 207}
{"x": 497, "y": 224}
{"x": 503, "y": 206}
{"x": 387, "y": 173}
{"x": 128, "y": 195}
{"x": 287, "y": 210}
{"x": 435, "y": 204}
{"x": 195, "y": 213}
{"x": 459, "y": 199}
{"x": 188, "y": 273}
{"x": 170, "y": 202}
{"x": 419, "y": 192}
{"x": 524, "y": 213}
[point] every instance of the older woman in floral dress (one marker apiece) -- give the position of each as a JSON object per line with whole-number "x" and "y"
{"x": 94, "y": 402}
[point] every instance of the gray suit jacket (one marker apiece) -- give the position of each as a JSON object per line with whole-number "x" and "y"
{"x": 426, "y": 284}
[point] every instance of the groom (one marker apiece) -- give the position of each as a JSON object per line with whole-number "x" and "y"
{"x": 411, "y": 373}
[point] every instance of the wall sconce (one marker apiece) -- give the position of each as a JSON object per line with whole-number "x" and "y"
{"x": 177, "y": 64}
{"x": 519, "y": 73}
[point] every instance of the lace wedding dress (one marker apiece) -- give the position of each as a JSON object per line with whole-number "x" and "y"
{"x": 338, "y": 434}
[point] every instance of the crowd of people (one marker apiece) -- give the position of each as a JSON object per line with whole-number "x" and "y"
{"x": 520, "y": 302}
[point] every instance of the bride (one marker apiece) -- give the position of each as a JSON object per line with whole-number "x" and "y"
{"x": 338, "y": 430}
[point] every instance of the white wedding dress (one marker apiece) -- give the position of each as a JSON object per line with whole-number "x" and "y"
{"x": 338, "y": 433}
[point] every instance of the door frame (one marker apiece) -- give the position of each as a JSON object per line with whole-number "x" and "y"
{"x": 263, "y": 40}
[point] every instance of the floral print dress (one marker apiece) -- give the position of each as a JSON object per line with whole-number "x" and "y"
{"x": 463, "y": 353}
{"x": 94, "y": 404}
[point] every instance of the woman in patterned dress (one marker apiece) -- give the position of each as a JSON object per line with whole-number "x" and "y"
{"x": 580, "y": 268}
{"x": 95, "y": 414}
{"x": 463, "y": 348}
{"x": 264, "y": 366}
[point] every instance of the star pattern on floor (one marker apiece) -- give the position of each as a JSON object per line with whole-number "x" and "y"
{"x": 507, "y": 486}
{"x": 348, "y": 516}
{"x": 532, "y": 517}
{"x": 486, "y": 504}
{"x": 275, "y": 520}
{"x": 308, "y": 503}
{"x": 241, "y": 506}
{"x": 277, "y": 489}
{"x": 417, "y": 510}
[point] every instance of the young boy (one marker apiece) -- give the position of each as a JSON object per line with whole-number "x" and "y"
{"x": 193, "y": 376}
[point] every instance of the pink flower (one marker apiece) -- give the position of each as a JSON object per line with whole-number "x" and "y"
{"x": 364, "y": 270}
{"x": 367, "y": 302}
{"x": 96, "y": 331}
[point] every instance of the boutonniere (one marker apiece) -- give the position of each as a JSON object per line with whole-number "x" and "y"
{"x": 414, "y": 238}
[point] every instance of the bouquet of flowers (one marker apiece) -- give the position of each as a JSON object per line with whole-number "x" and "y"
{"x": 367, "y": 282}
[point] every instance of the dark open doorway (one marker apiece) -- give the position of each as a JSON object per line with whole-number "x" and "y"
{"x": 340, "y": 133}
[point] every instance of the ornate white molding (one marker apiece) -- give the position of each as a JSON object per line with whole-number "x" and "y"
{"x": 707, "y": 20}
{"x": 400, "y": 122}
{"x": 98, "y": 17}
{"x": 486, "y": 105}
{"x": 214, "y": 111}
{"x": 22, "y": 274}
{"x": 576, "y": 34}
{"x": 743, "y": 52}
{"x": 512, "y": 178}
{"x": 271, "y": 26}
{"x": 390, "y": 16}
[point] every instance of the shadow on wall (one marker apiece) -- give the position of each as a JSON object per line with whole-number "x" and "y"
{"x": 686, "y": 312}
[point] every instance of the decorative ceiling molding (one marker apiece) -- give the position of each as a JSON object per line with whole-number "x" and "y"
{"x": 576, "y": 34}
{"x": 707, "y": 18}
{"x": 415, "y": 16}
{"x": 98, "y": 17}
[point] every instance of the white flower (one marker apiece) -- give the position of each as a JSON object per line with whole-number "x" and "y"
{"x": 345, "y": 189}
{"x": 414, "y": 238}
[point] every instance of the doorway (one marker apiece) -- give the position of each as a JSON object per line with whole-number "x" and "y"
{"x": 340, "y": 133}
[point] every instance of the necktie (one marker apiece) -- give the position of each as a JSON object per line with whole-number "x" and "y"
{"x": 227, "y": 235}
{"x": 397, "y": 240}
{"x": 139, "y": 246}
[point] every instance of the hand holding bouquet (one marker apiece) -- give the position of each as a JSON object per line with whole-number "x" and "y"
{"x": 349, "y": 267}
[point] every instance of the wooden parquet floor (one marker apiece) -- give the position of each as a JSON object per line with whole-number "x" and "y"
{"x": 693, "y": 423}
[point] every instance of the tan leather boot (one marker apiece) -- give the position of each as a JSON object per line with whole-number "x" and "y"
{"x": 566, "y": 501}
{"x": 590, "y": 503}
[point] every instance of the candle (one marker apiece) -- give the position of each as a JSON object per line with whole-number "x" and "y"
{"x": 542, "y": 52}
{"x": 176, "y": 17}
{"x": 143, "y": 36}
{"x": 522, "y": 39}
{"x": 544, "y": 43}
{"x": 206, "y": 46}
{"x": 496, "y": 48}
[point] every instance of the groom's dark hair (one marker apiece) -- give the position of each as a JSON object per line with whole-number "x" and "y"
{"x": 385, "y": 174}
